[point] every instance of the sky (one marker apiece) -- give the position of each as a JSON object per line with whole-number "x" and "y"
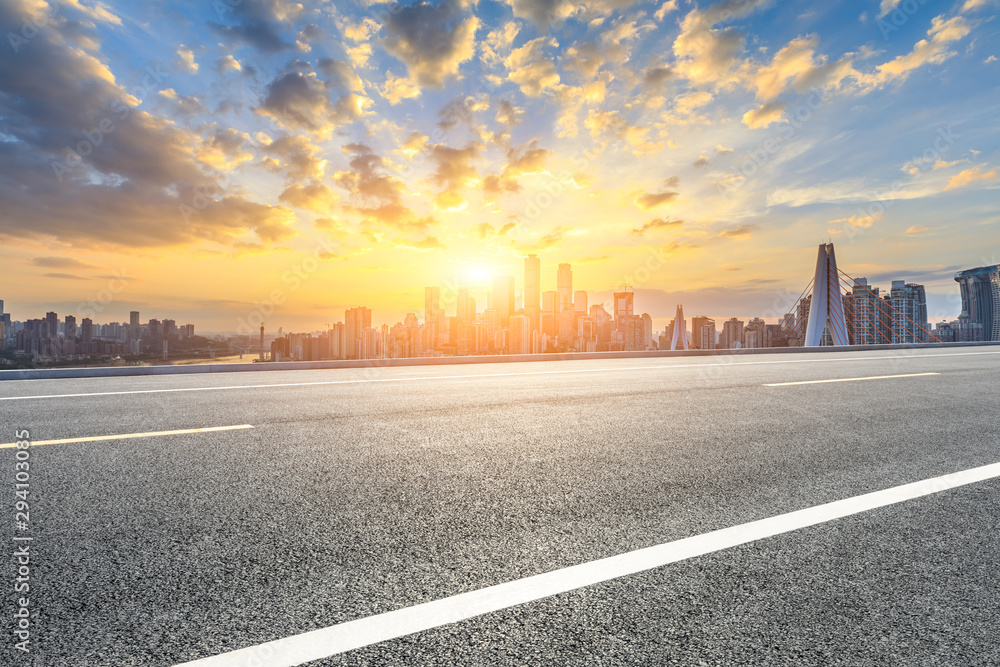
{"x": 235, "y": 161}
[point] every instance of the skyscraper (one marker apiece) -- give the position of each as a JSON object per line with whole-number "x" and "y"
{"x": 623, "y": 305}
{"x": 356, "y": 320}
{"x": 134, "y": 328}
{"x": 580, "y": 302}
{"x": 909, "y": 312}
{"x": 519, "y": 341}
{"x": 532, "y": 291}
{"x": 696, "y": 324}
{"x": 503, "y": 298}
{"x": 981, "y": 299}
{"x": 432, "y": 317}
{"x": 564, "y": 286}
{"x": 550, "y": 307}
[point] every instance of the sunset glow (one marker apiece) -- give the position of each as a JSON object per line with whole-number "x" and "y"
{"x": 348, "y": 153}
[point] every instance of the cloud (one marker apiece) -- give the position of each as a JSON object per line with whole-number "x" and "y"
{"x": 931, "y": 50}
{"x": 547, "y": 13}
{"x": 648, "y": 200}
{"x": 60, "y": 263}
{"x": 228, "y": 64}
{"x": 859, "y": 221}
{"x": 314, "y": 196}
{"x": 187, "y": 59}
{"x": 257, "y": 23}
{"x": 657, "y": 224}
{"x": 654, "y": 77}
{"x": 970, "y": 176}
{"x": 299, "y": 100}
{"x": 375, "y": 195}
{"x": 432, "y": 40}
{"x": 738, "y": 232}
{"x": 295, "y": 156}
{"x": 531, "y": 68}
{"x": 764, "y": 115}
{"x": 63, "y": 276}
{"x": 887, "y": 6}
{"x": 454, "y": 172}
{"x": 916, "y": 229}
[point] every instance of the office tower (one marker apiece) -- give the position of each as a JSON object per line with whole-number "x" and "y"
{"x": 704, "y": 332}
{"x": 86, "y": 330}
{"x": 564, "y": 285}
{"x": 867, "y": 315}
{"x": 696, "y": 324}
{"x": 356, "y": 320}
{"x": 503, "y": 297}
{"x": 433, "y": 326}
{"x": 462, "y": 306}
{"x": 367, "y": 344}
{"x": 519, "y": 340}
{"x": 135, "y": 329}
{"x": 755, "y": 334}
{"x": 732, "y": 334}
{"x": 647, "y": 331}
{"x": 1, "y": 307}
{"x": 678, "y": 340}
{"x": 550, "y": 308}
{"x": 623, "y": 305}
{"x": 52, "y": 323}
{"x": 69, "y": 327}
{"x": 491, "y": 325}
{"x": 981, "y": 301}
{"x": 580, "y": 302}
{"x": 532, "y": 291}
{"x": 908, "y": 314}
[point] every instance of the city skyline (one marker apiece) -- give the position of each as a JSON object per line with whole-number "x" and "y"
{"x": 338, "y": 156}
{"x": 840, "y": 310}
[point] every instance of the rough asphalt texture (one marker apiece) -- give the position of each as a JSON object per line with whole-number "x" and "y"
{"x": 352, "y": 499}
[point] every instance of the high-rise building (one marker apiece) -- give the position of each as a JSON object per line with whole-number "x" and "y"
{"x": 519, "y": 338}
{"x": 503, "y": 297}
{"x": 462, "y": 306}
{"x": 134, "y": 328}
{"x": 564, "y": 286}
{"x": 908, "y": 314}
{"x": 434, "y": 318}
{"x": 981, "y": 299}
{"x": 704, "y": 332}
{"x": 732, "y": 334}
{"x": 52, "y": 324}
{"x": 550, "y": 308}
{"x": 696, "y": 324}
{"x": 623, "y": 305}
{"x": 532, "y": 291}
{"x": 356, "y": 320}
{"x": 86, "y": 330}
{"x": 580, "y": 302}
{"x": 69, "y": 327}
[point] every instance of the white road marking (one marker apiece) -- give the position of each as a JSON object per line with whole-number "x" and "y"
{"x": 416, "y": 378}
{"x": 336, "y": 639}
{"x": 871, "y": 377}
{"x": 128, "y": 436}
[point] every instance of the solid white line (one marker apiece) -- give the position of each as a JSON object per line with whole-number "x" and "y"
{"x": 871, "y": 377}
{"x": 127, "y": 436}
{"x": 416, "y": 378}
{"x": 343, "y": 637}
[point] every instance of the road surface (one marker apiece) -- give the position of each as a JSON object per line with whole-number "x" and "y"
{"x": 339, "y": 495}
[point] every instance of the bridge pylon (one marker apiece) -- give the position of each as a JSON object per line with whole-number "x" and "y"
{"x": 826, "y": 308}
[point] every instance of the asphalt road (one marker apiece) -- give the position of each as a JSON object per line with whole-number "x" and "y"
{"x": 359, "y": 492}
